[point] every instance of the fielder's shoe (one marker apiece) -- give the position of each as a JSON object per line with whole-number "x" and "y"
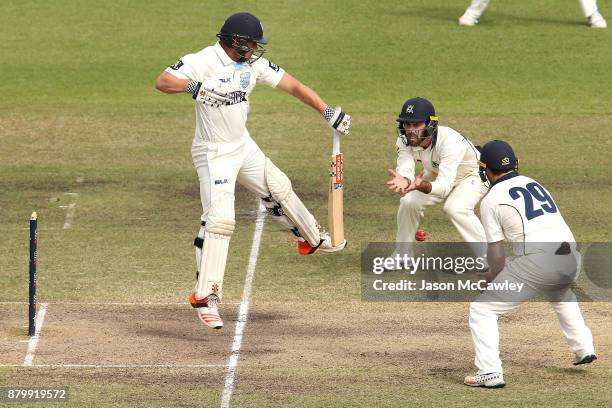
{"x": 325, "y": 245}
{"x": 588, "y": 359}
{"x": 490, "y": 380}
{"x": 467, "y": 20}
{"x": 596, "y": 20}
{"x": 207, "y": 310}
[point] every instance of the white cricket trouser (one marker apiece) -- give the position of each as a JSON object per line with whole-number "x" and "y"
{"x": 477, "y": 7}
{"x": 219, "y": 167}
{"x": 542, "y": 278}
{"x": 459, "y": 207}
{"x": 588, "y": 7}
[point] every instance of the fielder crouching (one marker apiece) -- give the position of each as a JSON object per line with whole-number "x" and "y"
{"x": 520, "y": 210}
{"x": 220, "y": 79}
{"x": 450, "y": 174}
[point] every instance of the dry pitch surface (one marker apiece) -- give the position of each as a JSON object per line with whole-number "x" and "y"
{"x": 348, "y": 353}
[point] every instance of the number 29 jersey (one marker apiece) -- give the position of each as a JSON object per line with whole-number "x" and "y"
{"x": 518, "y": 209}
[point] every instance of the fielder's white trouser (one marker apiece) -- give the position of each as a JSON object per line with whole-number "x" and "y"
{"x": 219, "y": 167}
{"x": 547, "y": 276}
{"x": 588, "y": 7}
{"x": 459, "y": 207}
{"x": 477, "y": 7}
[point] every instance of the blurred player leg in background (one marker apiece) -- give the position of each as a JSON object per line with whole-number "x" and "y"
{"x": 592, "y": 14}
{"x": 473, "y": 13}
{"x": 589, "y": 9}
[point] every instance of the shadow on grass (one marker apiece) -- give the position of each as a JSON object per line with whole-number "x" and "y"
{"x": 568, "y": 370}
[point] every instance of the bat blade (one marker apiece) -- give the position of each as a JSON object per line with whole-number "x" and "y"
{"x": 335, "y": 204}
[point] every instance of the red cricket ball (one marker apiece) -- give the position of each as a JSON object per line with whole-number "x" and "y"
{"x": 420, "y": 235}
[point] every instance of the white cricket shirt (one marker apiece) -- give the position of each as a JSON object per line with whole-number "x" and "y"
{"x": 212, "y": 66}
{"x": 518, "y": 209}
{"x": 449, "y": 161}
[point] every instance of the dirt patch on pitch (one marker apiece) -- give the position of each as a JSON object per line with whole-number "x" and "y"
{"x": 13, "y": 333}
{"x": 131, "y": 335}
{"x": 434, "y": 337}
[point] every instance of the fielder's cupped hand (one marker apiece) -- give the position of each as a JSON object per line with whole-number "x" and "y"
{"x": 338, "y": 120}
{"x": 398, "y": 183}
{"x": 417, "y": 182}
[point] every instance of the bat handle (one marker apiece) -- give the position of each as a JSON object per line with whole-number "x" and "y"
{"x": 335, "y": 142}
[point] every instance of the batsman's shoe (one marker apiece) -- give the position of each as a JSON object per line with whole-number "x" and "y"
{"x": 467, "y": 20}
{"x": 325, "y": 245}
{"x": 596, "y": 20}
{"x": 490, "y": 380}
{"x": 588, "y": 359}
{"x": 207, "y": 310}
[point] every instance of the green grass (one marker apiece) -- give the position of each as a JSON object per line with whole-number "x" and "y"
{"x": 524, "y": 58}
{"x": 78, "y": 101}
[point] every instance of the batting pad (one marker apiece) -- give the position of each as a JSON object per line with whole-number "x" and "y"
{"x": 214, "y": 256}
{"x": 282, "y": 192}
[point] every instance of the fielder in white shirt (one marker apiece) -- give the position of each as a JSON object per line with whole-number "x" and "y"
{"x": 519, "y": 210}
{"x": 220, "y": 79}
{"x": 589, "y": 9}
{"x": 450, "y": 174}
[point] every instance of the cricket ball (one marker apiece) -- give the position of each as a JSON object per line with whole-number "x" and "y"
{"x": 420, "y": 235}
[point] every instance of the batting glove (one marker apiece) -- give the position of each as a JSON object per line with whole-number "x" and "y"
{"x": 337, "y": 119}
{"x": 207, "y": 94}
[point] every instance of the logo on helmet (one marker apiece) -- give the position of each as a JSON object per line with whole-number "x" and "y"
{"x": 505, "y": 161}
{"x": 410, "y": 109}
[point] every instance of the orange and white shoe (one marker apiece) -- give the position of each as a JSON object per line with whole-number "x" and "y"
{"x": 207, "y": 310}
{"x": 325, "y": 245}
{"x": 490, "y": 380}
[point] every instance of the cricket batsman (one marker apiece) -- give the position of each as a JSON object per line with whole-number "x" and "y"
{"x": 450, "y": 174}
{"x": 220, "y": 79}
{"x": 520, "y": 210}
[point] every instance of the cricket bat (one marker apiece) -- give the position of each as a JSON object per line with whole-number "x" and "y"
{"x": 335, "y": 206}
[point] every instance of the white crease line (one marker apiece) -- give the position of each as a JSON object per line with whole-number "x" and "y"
{"x": 69, "y": 216}
{"x": 118, "y": 365}
{"x": 243, "y": 313}
{"x": 40, "y": 318}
